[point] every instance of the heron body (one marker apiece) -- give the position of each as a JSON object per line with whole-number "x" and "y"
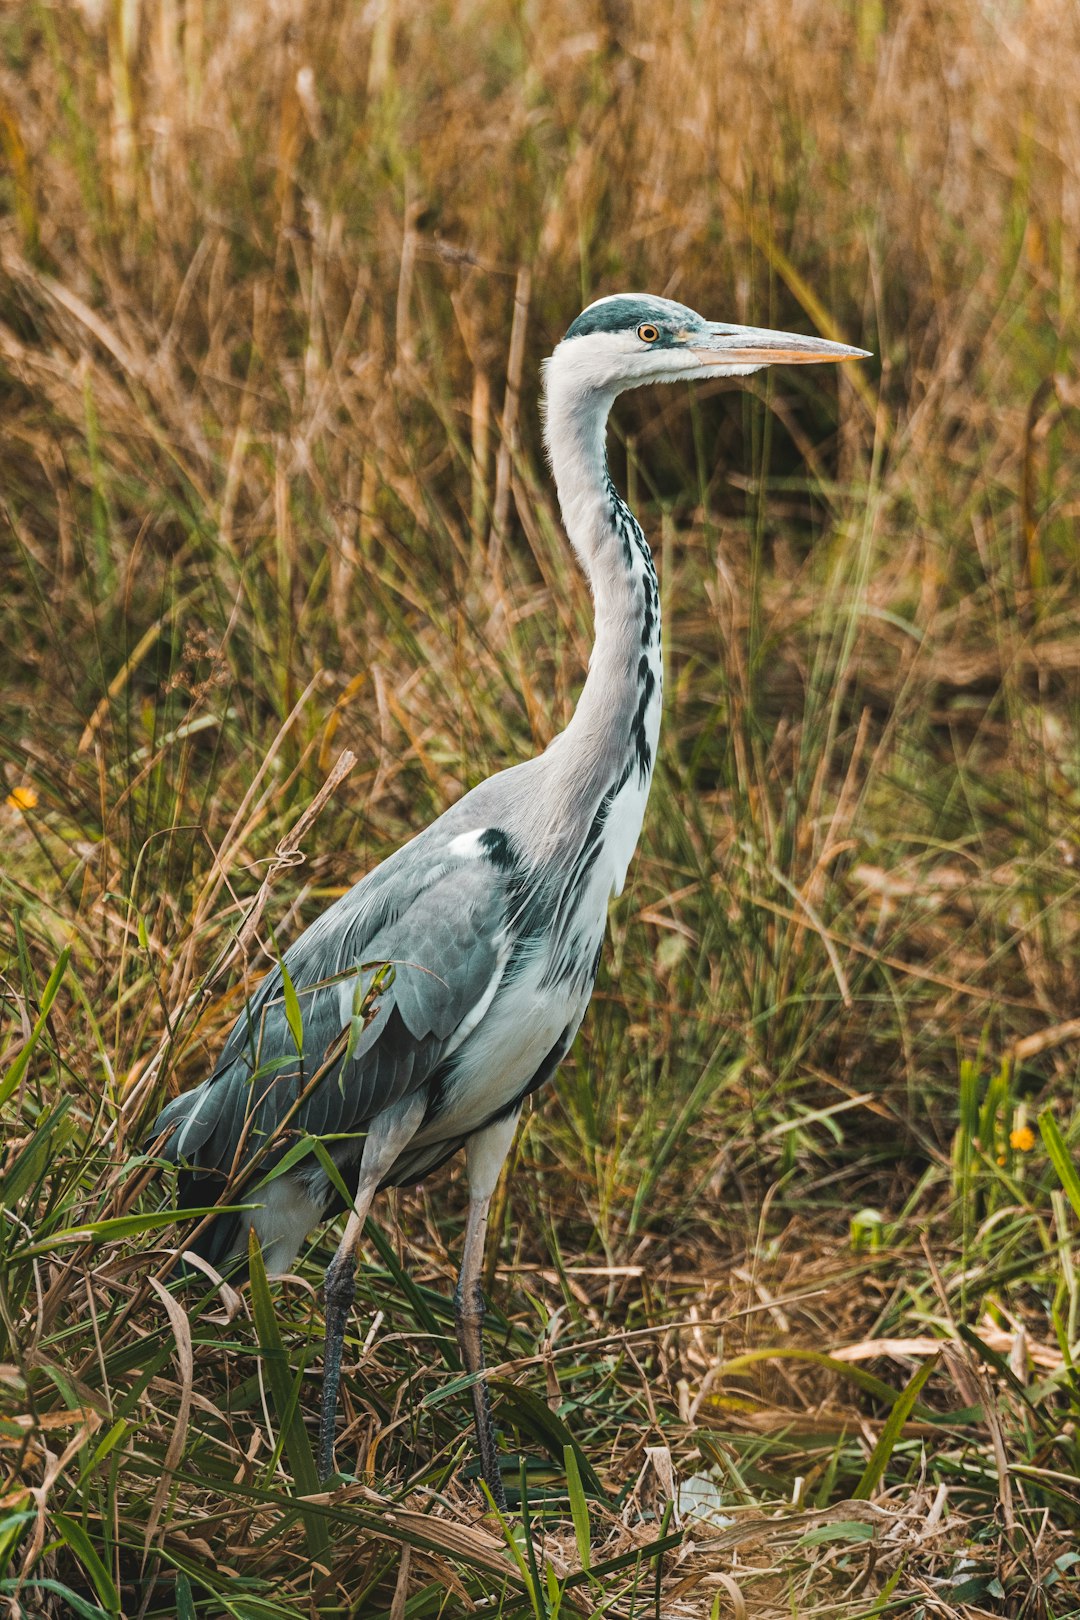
{"x": 451, "y": 981}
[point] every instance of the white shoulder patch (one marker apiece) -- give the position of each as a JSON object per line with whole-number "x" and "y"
{"x": 467, "y": 844}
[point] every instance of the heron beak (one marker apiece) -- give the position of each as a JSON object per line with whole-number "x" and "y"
{"x": 721, "y": 345}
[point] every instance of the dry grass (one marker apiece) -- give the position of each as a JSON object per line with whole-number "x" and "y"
{"x": 276, "y": 281}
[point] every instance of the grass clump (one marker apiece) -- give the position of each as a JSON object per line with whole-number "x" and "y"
{"x": 785, "y": 1303}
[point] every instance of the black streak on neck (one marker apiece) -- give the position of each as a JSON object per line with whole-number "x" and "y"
{"x": 633, "y": 543}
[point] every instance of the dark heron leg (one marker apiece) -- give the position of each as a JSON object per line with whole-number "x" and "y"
{"x": 469, "y": 1320}
{"x": 387, "y": 1135}
{"x": 340, "y": 1291}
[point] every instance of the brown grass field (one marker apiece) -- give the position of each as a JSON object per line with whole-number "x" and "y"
{"x": 784, "y": 1292}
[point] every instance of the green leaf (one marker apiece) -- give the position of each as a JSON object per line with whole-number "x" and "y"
{"x": 536, "y": 1417}
{"x": 1058, "y": 1152}
{"x": 332, "y": 1171}
{"x": 14, "y": 1523}
{"x": 315, "y": 1147}
{"x": 291, "y": 1157}
{"x": 374, "y": 1234}
{"x": 512, "y": 1546}
{"x": 364, "y": 999}
{"x": 970, "y": 1588}
{"x": 185, "y": 1603}
{"x": 18, "y": 1068}
{"x": 77, "y": 1539}
{"x": 1000, "y": 1367}
{"x": 653, "y": 1549}
{"x": 283, "y": 1392}
{"x": 843, "y": 1530}
{"x": 293, "y": 1016}
{"x": 123, "y": 1226}
{"x": 25, "y": 1164}
{"x": 579, "y": 1507}
{"x": 816, "y": 1358}
{"x": 527, "y": 1536}
{"x": 113, "y": 1435}
{"x": 78, "y": 1605}
{"x": 890, "y": 1434}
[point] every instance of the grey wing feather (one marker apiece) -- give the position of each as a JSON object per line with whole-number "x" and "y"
{"x": 443, "y": 944}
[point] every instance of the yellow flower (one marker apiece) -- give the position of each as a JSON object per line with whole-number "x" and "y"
{"x": 1022, "y": 1139}
{"x": 24, "y": 797}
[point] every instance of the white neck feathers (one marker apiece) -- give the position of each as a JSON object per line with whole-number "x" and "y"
{"x": 614, "y": 727}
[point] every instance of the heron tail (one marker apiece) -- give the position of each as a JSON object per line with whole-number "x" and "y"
{"x": 180, "y": 1131}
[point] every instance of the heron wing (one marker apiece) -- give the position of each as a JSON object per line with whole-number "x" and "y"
{"x": 383, "y": 991}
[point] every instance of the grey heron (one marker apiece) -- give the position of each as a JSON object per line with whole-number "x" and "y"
{"x": 416, "y": 1014}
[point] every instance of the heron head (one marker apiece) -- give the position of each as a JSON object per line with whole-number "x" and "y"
{"x": 630, "y": 339}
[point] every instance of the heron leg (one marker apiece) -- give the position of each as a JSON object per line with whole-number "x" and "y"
{"x": 484, "y": 1159}
{"x": 387, "y": 1135}
{"x": 469, "y": 1320}
{"x": 339, "y": 1293}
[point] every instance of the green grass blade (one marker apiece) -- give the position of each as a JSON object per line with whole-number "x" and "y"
{"x": 817, "y": 1358}
{"x": 76, "y": 1604}
{"x": 534, "y": 1415}
{"x": 1058, "y": 1151}
{"x": 536, "y": 1586}
{"x": 611, "y": 1566}
{"x": 842, "y": 1530}
{"x": 890, "y": 1434}
{"x": 293, "y": 1016}
{"x": 76, "y": 1537}
{"x": 25, "y": 1163}
{"x": 14, "y": 1075}
{"x": 374, "y": 1234}
{"x": 185, "y": 1603}
{"x": 115, "y": 1227}
{"x": 512, "y": 1547}
{"x": 283, "y": 1391}
{"x": 579, "y": 1507}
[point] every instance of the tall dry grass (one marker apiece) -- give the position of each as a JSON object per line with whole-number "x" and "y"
{"x": 276, "y": 282}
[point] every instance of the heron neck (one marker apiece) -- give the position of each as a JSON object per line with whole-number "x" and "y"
{"x": 616, "y": 723}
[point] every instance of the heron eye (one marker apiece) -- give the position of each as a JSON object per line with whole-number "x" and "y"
{"x": 648, "y": 334}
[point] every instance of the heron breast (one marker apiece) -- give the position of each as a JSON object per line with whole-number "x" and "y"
{"x": 494, "y": 1064}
